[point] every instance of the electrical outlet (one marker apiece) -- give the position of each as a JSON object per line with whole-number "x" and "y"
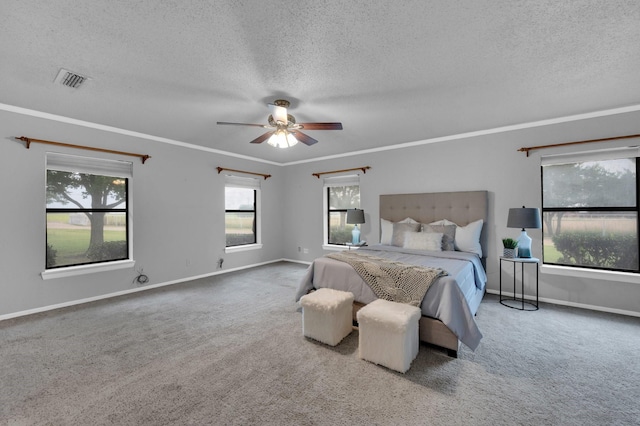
{"x": 220, "y": 263}
{"x": 299, "y": 249}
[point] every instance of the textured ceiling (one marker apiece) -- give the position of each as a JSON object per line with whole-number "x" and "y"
{"x": 391, "y": 71}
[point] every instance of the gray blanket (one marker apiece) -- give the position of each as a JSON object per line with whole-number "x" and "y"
{"x": 389, "y": 279}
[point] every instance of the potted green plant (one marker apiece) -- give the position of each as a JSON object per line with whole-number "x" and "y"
{"x": 509, "y": 245}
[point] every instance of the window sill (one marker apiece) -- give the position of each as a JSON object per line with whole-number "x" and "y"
{"x": 86, "y": 269}
{"x": 568, "y": 271}
{"x": 243, "y": 248}
{"x": 334, "y": 247}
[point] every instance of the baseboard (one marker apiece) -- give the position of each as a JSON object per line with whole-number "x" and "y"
{"x": 195, "y": 277}
{"x": 133, "y": 290}
{"x": 572, "y": 304}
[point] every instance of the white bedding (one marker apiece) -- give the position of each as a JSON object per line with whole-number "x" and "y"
{"x": 447, "y": 298}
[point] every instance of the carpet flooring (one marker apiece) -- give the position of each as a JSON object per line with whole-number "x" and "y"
{"x": 228, "y": 350}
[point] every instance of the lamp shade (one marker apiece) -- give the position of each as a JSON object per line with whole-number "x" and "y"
{"x": 524, "y": 218}
{"x": 355, "y": 216}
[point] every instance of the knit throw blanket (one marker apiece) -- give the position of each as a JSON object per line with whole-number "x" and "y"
{"x": 391, "y": 280}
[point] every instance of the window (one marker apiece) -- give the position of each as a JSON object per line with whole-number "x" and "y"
{"x": 341, "y": 193}
{"x": 590, "y": 210}
{"x": 241, "y": 203}
{"x": 86, "y": 210}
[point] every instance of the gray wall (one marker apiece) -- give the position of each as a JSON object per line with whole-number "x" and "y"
{"x": 178, "y": 215}
{"x": 489, "y": 162}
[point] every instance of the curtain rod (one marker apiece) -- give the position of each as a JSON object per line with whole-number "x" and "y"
{"x": 28, "y": 142}
{"x": 364, "y": 170}
{"x": 531, "y": 148}
{"x": 220, "y": 169}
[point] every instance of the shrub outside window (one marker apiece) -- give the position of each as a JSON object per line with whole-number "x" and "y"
{"x": 590, "y": 211}
{"x": 86, "y": 211}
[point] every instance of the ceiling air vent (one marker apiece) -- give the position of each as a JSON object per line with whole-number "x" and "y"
{"x": 70, "y": 79}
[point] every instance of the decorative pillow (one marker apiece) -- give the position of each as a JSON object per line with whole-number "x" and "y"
{"x": 386, "y": 231}
{"x": 423, "y": 241}
{"x": 399, "y": 230}
{"x": 468, "y": 237}
{"x": 448, "y": 239}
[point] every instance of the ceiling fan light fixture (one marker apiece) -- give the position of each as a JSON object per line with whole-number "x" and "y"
{"x": 282, "y": 139}
{"x": 284, "y": 132}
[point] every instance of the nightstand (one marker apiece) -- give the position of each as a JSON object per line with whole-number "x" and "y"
{"x": 360, "y": 244}
{"x": 519, "y": 302}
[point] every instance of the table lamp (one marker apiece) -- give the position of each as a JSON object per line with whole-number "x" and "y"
{"x": 524, "y": 218}
{"x": 355, "y": 217}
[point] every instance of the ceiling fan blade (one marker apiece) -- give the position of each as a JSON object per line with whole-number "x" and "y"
{"x": 321, "y": 126}
{"x": 262, "y": 138}
{"x": 307, "y": 140}
{"x": 241, "y": 124}
{"x": 278, "y": 113}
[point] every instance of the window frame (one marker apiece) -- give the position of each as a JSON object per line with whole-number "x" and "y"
{"x": 232, "y": 181}
{"x": 99, "y": 167}
{"x": 582, "y": 157}
{"x": 332, "y": 182}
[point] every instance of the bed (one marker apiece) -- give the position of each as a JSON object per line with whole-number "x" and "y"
{"x": 451, "y": 302}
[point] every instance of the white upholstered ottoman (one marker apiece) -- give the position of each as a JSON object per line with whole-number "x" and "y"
{"x": 327, "y": 315}
{"x": 389, "y": 334}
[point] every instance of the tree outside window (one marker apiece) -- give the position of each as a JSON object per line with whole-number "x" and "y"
{"x": 86, "y": 218}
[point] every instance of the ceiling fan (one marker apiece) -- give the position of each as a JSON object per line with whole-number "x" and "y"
{"x": 284, "y": 131}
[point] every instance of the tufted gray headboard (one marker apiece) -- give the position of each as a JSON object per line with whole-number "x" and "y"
{"x": 460, "y": 207}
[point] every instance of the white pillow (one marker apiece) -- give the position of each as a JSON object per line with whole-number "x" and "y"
{"x": 408, "y": 220}
{"x": 386, "y": 231}
{"x": 423, "y": 241}
{"x": 443, "y": 222}
{"x": 468, "y": 237}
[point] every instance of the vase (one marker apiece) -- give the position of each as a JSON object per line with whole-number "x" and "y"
{"x": 509, "y": 253}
